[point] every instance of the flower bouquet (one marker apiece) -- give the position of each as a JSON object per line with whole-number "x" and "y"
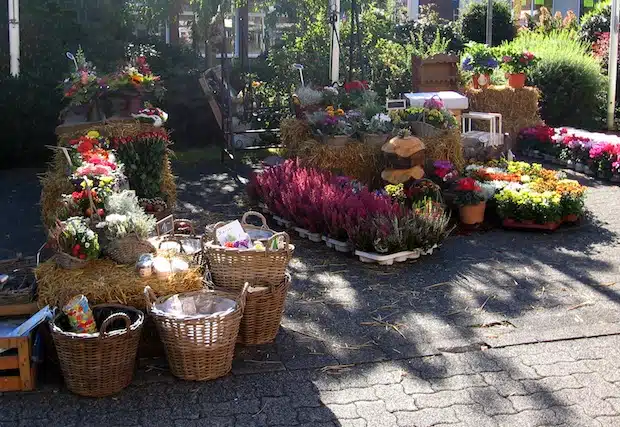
{"x": 75, "y": 243}
{"x": 83, "y": 88}
{"x": 155, "y": 116}
{"x": 480, "y": 60}
{"x": 133, "y": 81}
{"x": 515, "y": 64}
{"x": 470, "y": 200}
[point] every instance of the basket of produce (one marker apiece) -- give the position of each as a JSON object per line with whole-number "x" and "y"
{"x": 234, "y": 259}
{"x": 263, "y": 312}
{"x": 97, "y": 349}
{"x": 199, "y": 330}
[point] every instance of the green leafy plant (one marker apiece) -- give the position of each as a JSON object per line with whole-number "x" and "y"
{"x": 569, "y": 78}
{"x": 473, "y": 22}
{"x": 479, "y": 59}
{"x": 595, "y": 22}
{"x": 424, "y": 50}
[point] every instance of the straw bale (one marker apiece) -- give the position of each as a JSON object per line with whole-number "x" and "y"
{"x": 103, "y": 281}
{"x": 518, "y": 107}
{"x": 445, "y": 145}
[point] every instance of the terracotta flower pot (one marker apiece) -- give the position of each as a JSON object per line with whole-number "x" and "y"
{"x": 472, "y": 214}
{"x": 571, "y": 218}
{"x": 516, "y": 81}
{"x": 481, "y": 81}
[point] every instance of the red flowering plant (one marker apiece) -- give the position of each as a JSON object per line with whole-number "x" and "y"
{"x": 603, "y": 155}
{"x": 468, "y": 192}
{"x": 303, "y": 196}
{"x": 536, "y": 138}
{"x": 516, "y": 62}
{"x": 137, "y": 75}
{"x": 443, "y": 172}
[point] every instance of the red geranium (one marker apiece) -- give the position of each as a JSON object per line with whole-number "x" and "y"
{"x": 467, "y": 184}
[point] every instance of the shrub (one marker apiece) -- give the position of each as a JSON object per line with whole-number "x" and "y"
{"x": 568, "y": 76}
{"x": 427, "y": 28}
{"x": 595, "y": 22}
{"x": 473, "y": 22}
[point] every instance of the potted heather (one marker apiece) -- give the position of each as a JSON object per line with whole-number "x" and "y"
{"x": 480, "y": 60}
{"x": 470, "y": 199}
{"x": 331, "y": 126}
{"x": 515, "y": 64}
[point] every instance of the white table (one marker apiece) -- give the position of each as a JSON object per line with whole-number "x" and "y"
{"x": 451, "y": 100}
{"x": 494, "y": 137}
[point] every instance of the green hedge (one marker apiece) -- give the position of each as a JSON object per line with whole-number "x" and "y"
{"x": 473, "y": 22}
{"x": 570, "y": 79}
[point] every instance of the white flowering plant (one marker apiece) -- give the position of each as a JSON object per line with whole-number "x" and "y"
{"x": 125, "y": 216}
{"x": 75, "y": 238}
{"x": 380, "y": 123}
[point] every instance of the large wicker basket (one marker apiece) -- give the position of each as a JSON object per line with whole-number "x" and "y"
{"x": 263, "y": 312}
{"x": 69, "y": 262}
{"x": 100, "y": 364}
{"x": 198, "y": 348}
{"x": 232, "y": 268}
{"x": 20, "y": 288}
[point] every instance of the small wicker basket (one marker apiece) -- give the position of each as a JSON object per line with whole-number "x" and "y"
{"x": 263, "y": 312}
{"x": 128, "y": 249}
{"x": 100, "y": 364}
{"x": 232, "y": 268}
{"x": 200, "y": 347}
{"x": 20, "y": 289}
{"x": 68, "y": 262}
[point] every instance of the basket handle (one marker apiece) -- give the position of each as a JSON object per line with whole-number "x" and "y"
{"x": 243, "y": 295}
{"x": 283, "y": 234}
{"x": 111, "y": 318}
{"x": 260, "y": 216}
{"x": 215, "y": 227}
{"x": 149, "y": 297}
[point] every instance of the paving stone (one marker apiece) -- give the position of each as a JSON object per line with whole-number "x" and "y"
{"x": 592, "y": 405}
{"x": 527, "y": 418}
{"x": 359, "y": 422}
{"x": 615, "y": 403}
{"x": 279, "y": 410}
{"x": 384, "y": 374}
{"x": 156, "y": 417}
{"x": 522, "y": 372}
{"x": 548, "y": 358}
{"x": 192, "y": 412}
{"x": 11, "y": 410}
{"x": 561, "y": 369}
{"x": 395, "y": 397}
{"x": 608, "y": 371}
{"x": 305, "y": 415}
{"x": 251, "y": 420}
{"x": 491, "y": 401}
{"x": 348, "y": 396}
{"x": 413, "y": 384}
{"x": 574, "y": 416}
{"x": 375, "y": 414}
{"x": 442, "y": 399}
{"x": 473, "y": 415}
{"x": 206, "y": 422}
{"x": 426, "y": 417}
{"x": 457, "y": 382}
{"x": 503, "y": 383}
{"x": 551, "y": 384}
{"x": 598, "y": 385}
{"x": 607, "y": 421}
{"x": 348, "y": 411}
{"x": 540, "y": 400}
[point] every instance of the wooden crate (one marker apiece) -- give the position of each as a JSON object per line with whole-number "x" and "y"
{"x": 434, "y": 74}
{"x": 19, "y": 371}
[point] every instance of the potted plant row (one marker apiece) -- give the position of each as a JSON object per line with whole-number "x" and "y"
{"x": 348, "y": 215}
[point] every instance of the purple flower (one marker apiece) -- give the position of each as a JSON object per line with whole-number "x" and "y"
{"x": 491, "y": 63}
{"x": 467, "y": 65}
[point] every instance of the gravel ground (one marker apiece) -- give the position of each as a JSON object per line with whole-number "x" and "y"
{"x": 412, "y": 333}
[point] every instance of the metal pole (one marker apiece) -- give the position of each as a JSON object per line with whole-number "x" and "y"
{"x": 351, "y": 41}
{"x": 612, "y": 69}
{"x": 489, "y": 23}
{"x": 335, "y": 43}
{"x": 14, "y": 36}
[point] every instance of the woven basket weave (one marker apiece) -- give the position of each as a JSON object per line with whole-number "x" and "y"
{"x": 202, "y": 347}
{"x": 101, "y": 364}
{"x": 69, "y": 262}
{"x": 263, "y": 312}
{"x": 128, "y": 249}
{"x": 232, "y": 268}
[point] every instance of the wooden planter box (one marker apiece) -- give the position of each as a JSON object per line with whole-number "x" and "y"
{"x": 437, "y": 73}
{"x": 19, "y": 373}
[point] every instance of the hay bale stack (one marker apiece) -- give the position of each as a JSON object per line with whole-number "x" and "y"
{"x": 518, "y": 107}
{"x": 445, "y": 145}
{"x": 103, "y": 281}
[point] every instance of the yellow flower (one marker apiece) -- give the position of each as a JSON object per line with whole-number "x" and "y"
{"x": 340, "y": 112}
{"x": 330, "y": 113}
{"x": 255, "y": 84}
{"x": 93, "y": 134}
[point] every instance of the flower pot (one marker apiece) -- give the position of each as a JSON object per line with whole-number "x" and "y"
{"x": 601, "y": 175}
{"x": 536, "y": 154}
{"x": 588, "y": 171}
{"x": 481, "y": 81}
{"x": 579, "y": 167}
{"x": 516, "y": 81}
{"x": 570, "y": 164}
{"x": 472, "y": 214}
{"x": 615, "y": 178}
{"x": 571, "y": 218}
{"x": 511, "y": 223}
{"x": 548, "y": 157}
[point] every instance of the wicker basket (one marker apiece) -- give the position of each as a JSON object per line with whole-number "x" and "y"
{"x": 232, "y": 268}
{"x": 21, "y": 286}
{"x": 263, "y": 312}
{"x": 100, "y": 364}
{"x": 69, "y": 262}
{"x": 198, "y": 348}
{"x": 128, "y": 249}
{"x": 424, "y": 130}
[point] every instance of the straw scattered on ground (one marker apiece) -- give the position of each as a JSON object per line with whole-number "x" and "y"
{"x": 104, "y": 281}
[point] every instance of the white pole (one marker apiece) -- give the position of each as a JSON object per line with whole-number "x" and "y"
{"x": 489, "y": 23}
{"x": 335, "y": 31}
{"x": 14, "y": 36}
{"x": 413, "y": 7}
{"x": 613, "y": 63}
